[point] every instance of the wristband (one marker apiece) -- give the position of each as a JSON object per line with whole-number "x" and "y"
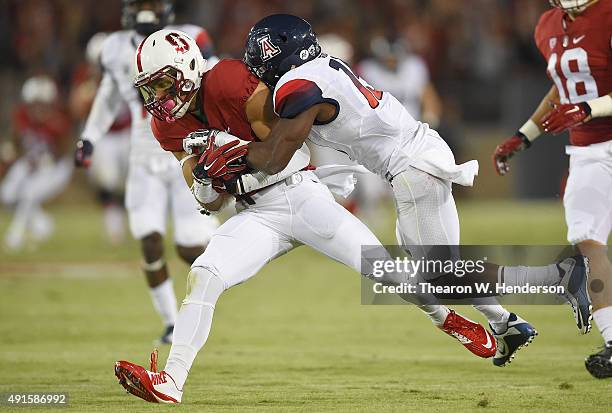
{"x": 601, "y": 107}
{"x": 529, "y": 131}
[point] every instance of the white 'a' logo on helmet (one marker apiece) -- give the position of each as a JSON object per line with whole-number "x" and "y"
{"x": 268, "y": 49}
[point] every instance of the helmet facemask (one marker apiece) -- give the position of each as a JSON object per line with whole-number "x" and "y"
{"x": 572, "y": 6}
{"x": 167, "y": 93}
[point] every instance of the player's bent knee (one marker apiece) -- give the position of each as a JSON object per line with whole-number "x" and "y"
{"x": 204, "y": 286}
{"x": 152, "y": 247}
{"x": 189, "y": 254}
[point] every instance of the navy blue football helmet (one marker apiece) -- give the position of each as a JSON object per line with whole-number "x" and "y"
{"x": 278, "y": 43}
{"x": 157, "y": 15}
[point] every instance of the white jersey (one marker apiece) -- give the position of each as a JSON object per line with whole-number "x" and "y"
{"x": 371, "y": 127}
{"x": 406, "y": 83}
{"x": 117, "y": 85}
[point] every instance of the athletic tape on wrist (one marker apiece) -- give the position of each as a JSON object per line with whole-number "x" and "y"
{"x": 204, "y": 192}
{"x": 601, "y": 107}
{"x": 530, "y": 130}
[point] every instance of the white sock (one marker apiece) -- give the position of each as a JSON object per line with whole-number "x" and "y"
{"x": 193, "y": 323}
{"x": 495, "y": 313}
{"x": 16, "y": 233}
{"x": 437, "y": 313}
{"x": 164, "y": 302}
{"x": 603, "y": 319}
{"x": 519, "y": 276}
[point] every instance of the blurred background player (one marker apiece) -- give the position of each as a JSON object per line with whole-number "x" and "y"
{"x": 393, "y": 67}
{"x": 109, "y": 163}
{"x": 155, "y": 186}
{"x": 40, "y": 143}
{"x": 575, "y": 38}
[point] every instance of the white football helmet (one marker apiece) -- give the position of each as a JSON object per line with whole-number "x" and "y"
{"x": 169, "y": 67}
{"x": 572, "y": 6}
{"x": 39, "y": 89}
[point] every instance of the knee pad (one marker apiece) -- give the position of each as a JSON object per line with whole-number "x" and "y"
{"x": 204, "y": 287}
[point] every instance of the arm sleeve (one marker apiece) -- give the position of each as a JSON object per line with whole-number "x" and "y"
{"x": 104, "y": 109}
{"x": 295, "y": 97}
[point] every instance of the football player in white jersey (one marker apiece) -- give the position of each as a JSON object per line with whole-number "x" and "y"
{"x": 405, "y": 75}
{"x": 155, "y": 186}
{"x": 109, "y": 164}
{"x": 318, "y": 97}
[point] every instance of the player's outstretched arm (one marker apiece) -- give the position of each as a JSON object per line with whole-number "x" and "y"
{"x": 103, "y": 112}
{"x": 286, "y": 137}
{"x": 526, "y": 134}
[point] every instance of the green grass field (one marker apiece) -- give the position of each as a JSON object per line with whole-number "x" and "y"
{"x": 293, "y": 338}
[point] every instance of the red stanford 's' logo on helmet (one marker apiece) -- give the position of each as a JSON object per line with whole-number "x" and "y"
{"x": 179, "y": 43}
{"x": 268, "y": 49}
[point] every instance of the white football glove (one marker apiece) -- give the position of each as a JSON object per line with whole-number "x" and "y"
{"x": 196, "y": 141}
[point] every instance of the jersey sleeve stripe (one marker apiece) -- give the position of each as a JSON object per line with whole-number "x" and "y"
{"x": 296, "y": 96}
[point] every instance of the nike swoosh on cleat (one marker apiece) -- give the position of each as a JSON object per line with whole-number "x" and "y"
{"x": 489, "y": 344}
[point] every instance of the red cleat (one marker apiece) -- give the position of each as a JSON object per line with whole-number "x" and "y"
{"x": 472, "y": 335}
{"x": 151, "y": 386}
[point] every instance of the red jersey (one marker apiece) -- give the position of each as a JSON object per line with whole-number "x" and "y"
{"x": 579, "y": 56}
{"x": 49, "y": 132}
{"x": 224, "y": 92}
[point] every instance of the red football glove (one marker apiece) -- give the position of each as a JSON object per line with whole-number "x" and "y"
{"x": 566, "y": 116}
{"x": 506, "y": 150}
{"x": 218, "y": 162}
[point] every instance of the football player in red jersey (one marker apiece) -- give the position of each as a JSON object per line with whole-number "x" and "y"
{"x": 575, "y": 38}
{"x": 154, "y": 188}
{"x": 41, "y": 135}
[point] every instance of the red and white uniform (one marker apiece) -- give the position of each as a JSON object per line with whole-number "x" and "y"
{"x": 40, "y": 174}
{"x": 155, "y": 187}
{"x": 224, "y": 91}
{"x": 579, "y": 56}
{"x": 41, "y": 136}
